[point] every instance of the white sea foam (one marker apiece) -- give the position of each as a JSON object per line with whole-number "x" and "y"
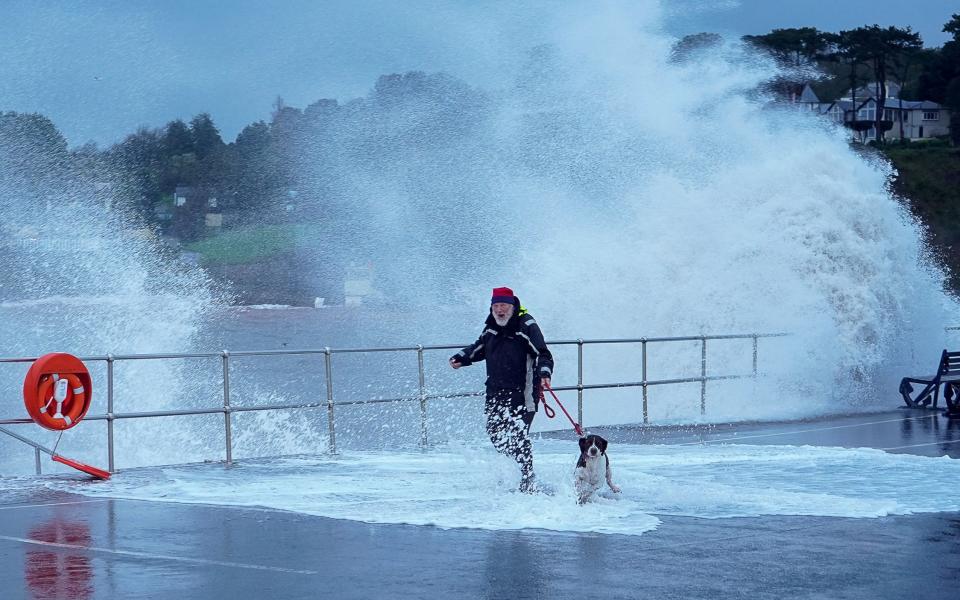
{"x": 465, "y": 487}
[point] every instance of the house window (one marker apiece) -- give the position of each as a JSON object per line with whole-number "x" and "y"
{"x": 931, "y": 115}
{"x": 888, "y": 115}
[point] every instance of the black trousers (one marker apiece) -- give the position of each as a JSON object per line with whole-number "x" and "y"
{"x": 508, "y": 424}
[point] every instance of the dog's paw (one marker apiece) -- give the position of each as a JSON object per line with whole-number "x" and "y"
{"x": 615, "y": 489}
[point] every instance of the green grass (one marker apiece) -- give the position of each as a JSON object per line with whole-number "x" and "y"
{"x": 928, "y": 176}
{"x": 247, "y": 244}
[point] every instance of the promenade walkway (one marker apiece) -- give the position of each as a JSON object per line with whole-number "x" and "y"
{"x": 58, "y": 544}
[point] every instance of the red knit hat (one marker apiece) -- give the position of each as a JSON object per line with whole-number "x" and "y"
{"x": 502, "y": 294}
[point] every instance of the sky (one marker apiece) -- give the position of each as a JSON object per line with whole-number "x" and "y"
{"x": 102, "y": 69}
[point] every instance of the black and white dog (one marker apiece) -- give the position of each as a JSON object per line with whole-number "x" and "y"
{"x": 593, "y": 468}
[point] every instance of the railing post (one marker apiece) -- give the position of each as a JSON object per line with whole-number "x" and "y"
{"x": 423, "y": 398}
{"x": 754, "y": 355}
{"x": 703, "y": 375}
{"x": 580, "y": 381}
{"x": 110, "y": 463}
{"x": 36, "y": 458}
{"x": 643, "y": 349}
{"x": 227, "y": 415}
{"x": 329, "y": 369}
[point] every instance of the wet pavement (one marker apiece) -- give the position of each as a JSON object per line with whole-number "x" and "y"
{"x": 56, "y": 544}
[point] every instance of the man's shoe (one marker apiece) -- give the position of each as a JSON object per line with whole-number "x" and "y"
{"x": 531, "y": 485}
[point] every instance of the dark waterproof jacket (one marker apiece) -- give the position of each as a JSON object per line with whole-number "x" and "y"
{"x": 516, "y": 355}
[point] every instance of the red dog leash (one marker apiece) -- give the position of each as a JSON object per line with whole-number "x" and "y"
{"x": 552, "y": 413}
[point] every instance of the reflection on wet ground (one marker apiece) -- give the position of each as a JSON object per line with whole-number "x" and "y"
{"x": 57, "y": 564}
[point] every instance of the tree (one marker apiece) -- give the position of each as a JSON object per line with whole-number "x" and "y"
{"x": 684, "y": 49}
{"x": 138, "y": 160}
{"x": 848, "y": 52}
{"x": 205, "y": 136}
{"x": 952, "y": 101}
{"x": 953, "y": 26}
{"x": 177, "y": 139}
{"x": 940, "y": 73}
{"x": 33, "y": 157}
{"x": 878, "y": 47}
{"x": 943, "y": 78}
{"x": 794, "y": 47}
{"x": 900, "y": 68}
{"x": 255, "y": 176}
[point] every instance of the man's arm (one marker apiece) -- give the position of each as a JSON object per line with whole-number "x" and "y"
{"x": 544, "y": 360}
{"x": 469, "y": 355}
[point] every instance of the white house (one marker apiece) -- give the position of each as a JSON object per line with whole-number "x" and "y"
{"x": 920, "y": 119}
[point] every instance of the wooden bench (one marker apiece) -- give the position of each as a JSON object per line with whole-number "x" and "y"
{"x": 947, "y": 375}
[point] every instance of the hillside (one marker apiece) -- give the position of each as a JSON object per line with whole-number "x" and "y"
{"x": 929, "y": 178}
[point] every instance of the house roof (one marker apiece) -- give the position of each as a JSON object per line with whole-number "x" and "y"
{"x": 909, "y": 104}
{"x": 870, "y": 90}
{"x": 807, "y": 95}
{"x": 892, "y": 103}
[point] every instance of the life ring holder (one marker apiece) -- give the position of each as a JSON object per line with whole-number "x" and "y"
{"x": 57, "y": 391}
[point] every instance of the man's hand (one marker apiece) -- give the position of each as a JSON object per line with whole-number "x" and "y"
{"x": 544, "y": 382}
{"x": 455, "y": 364}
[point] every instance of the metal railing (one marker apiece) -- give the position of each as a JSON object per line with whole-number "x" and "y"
{"x": 227, "y": 409}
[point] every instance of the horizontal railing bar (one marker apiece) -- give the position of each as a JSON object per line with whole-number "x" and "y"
{"x": 234, "y": 408}
{"x": 166, "y": 356}
{"x": 32, "y": 359}
{"x": 457, "y": 395}
{"x": 125, "y": 357}
{"x": 320, "y": 351}
{"x": 362, "y": 350}
{"x": 653, "y": 382}
{"x": 686, "y": 338}
{"x": 220, "y": 410}
{"x": 159, "y": 413}
{"x": 171, "y": 355}
{"x": 209, "y": 411}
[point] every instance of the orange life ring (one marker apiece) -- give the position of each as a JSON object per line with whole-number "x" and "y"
{"x": 66, "y": 411}
{"x": 57, "y": 391}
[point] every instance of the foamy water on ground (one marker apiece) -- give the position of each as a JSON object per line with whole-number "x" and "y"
{"x": 473, "y": 487}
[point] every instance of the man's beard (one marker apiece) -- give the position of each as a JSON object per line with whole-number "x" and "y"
{"x": 502, "y": 321}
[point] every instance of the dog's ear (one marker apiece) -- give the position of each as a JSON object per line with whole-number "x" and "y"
{"x": 602, "y": 444}
{"x": 584, "y": 443}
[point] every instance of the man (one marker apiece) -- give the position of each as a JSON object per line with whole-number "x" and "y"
{"x": 519, "y": 365}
